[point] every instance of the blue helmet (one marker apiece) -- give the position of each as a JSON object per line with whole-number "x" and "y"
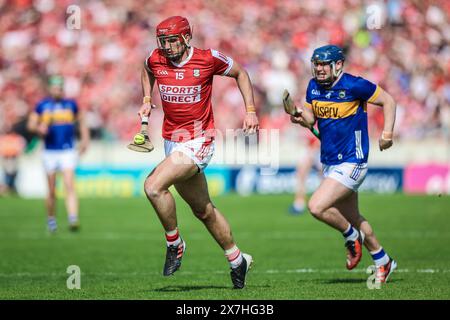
{"x": 328, "y": 54}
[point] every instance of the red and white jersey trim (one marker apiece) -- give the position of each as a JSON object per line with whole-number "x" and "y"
{"x": 229, "y": 61}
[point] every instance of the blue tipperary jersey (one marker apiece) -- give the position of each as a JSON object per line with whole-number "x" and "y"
{"x": 60, "y": 117}
{"x": 341, "y": 113}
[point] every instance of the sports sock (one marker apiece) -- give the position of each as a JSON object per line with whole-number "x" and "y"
{"x": 173, "y": 238}
{"x": 73, "y": 218}
{"x": 351, "y": 234}
{"x": 299, "y": 206}
{"x": 379, "y": 257}
{"x": 234, "y": 256}
{"x": 51, "y": 223}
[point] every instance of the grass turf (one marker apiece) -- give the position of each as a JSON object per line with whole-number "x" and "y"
{"x": 121, "y": 249}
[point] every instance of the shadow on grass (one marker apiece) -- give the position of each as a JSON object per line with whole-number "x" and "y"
{"x": 334, "y": 281}
{"x": 187, "y": 288}
{"x": 181, "y": 288}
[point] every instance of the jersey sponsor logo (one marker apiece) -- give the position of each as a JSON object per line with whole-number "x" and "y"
{"x": 58, "y": 116}
{"x": 180, "y": 94}
{"x": 326, "y": 112}
{"x": 335, "y": 110}
{"x": 162, "y": 72}
{"x": 328, "y": 95}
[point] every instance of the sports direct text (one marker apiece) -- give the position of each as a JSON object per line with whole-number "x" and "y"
{"x": 180, "y": 94}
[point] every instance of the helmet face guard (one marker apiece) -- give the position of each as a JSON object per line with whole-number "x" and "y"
{"x": 173, "y": 46}
{"x": 333, "y": 76}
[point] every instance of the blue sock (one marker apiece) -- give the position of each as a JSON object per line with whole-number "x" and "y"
{"x": 379, "y": 257}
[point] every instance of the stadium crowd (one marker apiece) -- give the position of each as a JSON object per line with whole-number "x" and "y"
{"x": 405, "y": 49}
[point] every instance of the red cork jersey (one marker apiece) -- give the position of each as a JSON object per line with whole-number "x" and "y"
{"x": 186, "y": 89}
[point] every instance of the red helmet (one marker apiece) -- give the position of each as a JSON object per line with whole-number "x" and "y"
{"x": 173, "y": 29}
{"x": 175, "y": 25}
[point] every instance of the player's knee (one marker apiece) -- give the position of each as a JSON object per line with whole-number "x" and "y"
{"x": 70, "y": 188}
{"x": 316, "y": 209}
{"x": 204, "y": 212}
{"x": 152, "y": 189}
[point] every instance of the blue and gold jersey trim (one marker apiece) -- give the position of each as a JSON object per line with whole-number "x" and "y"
{"x": 374, "y": 95}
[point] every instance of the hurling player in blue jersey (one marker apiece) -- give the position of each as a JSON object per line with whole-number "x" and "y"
{"x": 338, "y": 102}
{"x": 54, "y": 119}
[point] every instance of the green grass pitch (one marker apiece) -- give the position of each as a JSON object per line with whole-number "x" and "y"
{"x": 121, "y": 249}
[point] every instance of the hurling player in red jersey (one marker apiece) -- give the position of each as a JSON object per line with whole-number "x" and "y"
{"x": 184, "y": 77}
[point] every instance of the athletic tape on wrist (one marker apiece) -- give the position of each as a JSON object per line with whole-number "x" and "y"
{"x": 147, "y": 99}
{"x": 251, "y": 109}
{"x": 386, "y": 135}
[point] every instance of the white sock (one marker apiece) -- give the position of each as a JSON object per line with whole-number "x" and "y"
{"x": 299, "y": 206}
{"x": 73, "y": 218}
{"x": 379, "y": 257}
{"x": 51, "y": 223}
{"x": 351, "y": 234}
{"x": 173, "y": 238}
{"x": 234, "y": 256}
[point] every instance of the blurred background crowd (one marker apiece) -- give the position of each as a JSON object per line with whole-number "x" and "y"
{"x": 404, "y": 48}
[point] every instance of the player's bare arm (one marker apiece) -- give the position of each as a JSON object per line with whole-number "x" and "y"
{"x": 147, "y": 82}
{"x": 305, "y": 119}
{"x": 251, "y": 124}
{"x": 141, "y": 141}
{"x": 34, "y": 125}
{"x": 84, "y": 132}
{"x": 388, "y": 103}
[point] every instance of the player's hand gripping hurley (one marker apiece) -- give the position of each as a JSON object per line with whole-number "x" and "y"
{"x": 141, "y": 141}
{"x": 290, "y": 109}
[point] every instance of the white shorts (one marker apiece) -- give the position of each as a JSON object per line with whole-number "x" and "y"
{"x": 198, "y": 150}
{"x": 350, "y": 175}
{"x": 58, "y": 160}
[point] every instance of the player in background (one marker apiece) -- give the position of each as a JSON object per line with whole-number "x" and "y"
{"x": 54, "y": 119}
{"x": 338, "y": 102}
{"x": 11, "y": 147}
{"x": 304, "y": 166}
{"x": 184, "y": 75}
